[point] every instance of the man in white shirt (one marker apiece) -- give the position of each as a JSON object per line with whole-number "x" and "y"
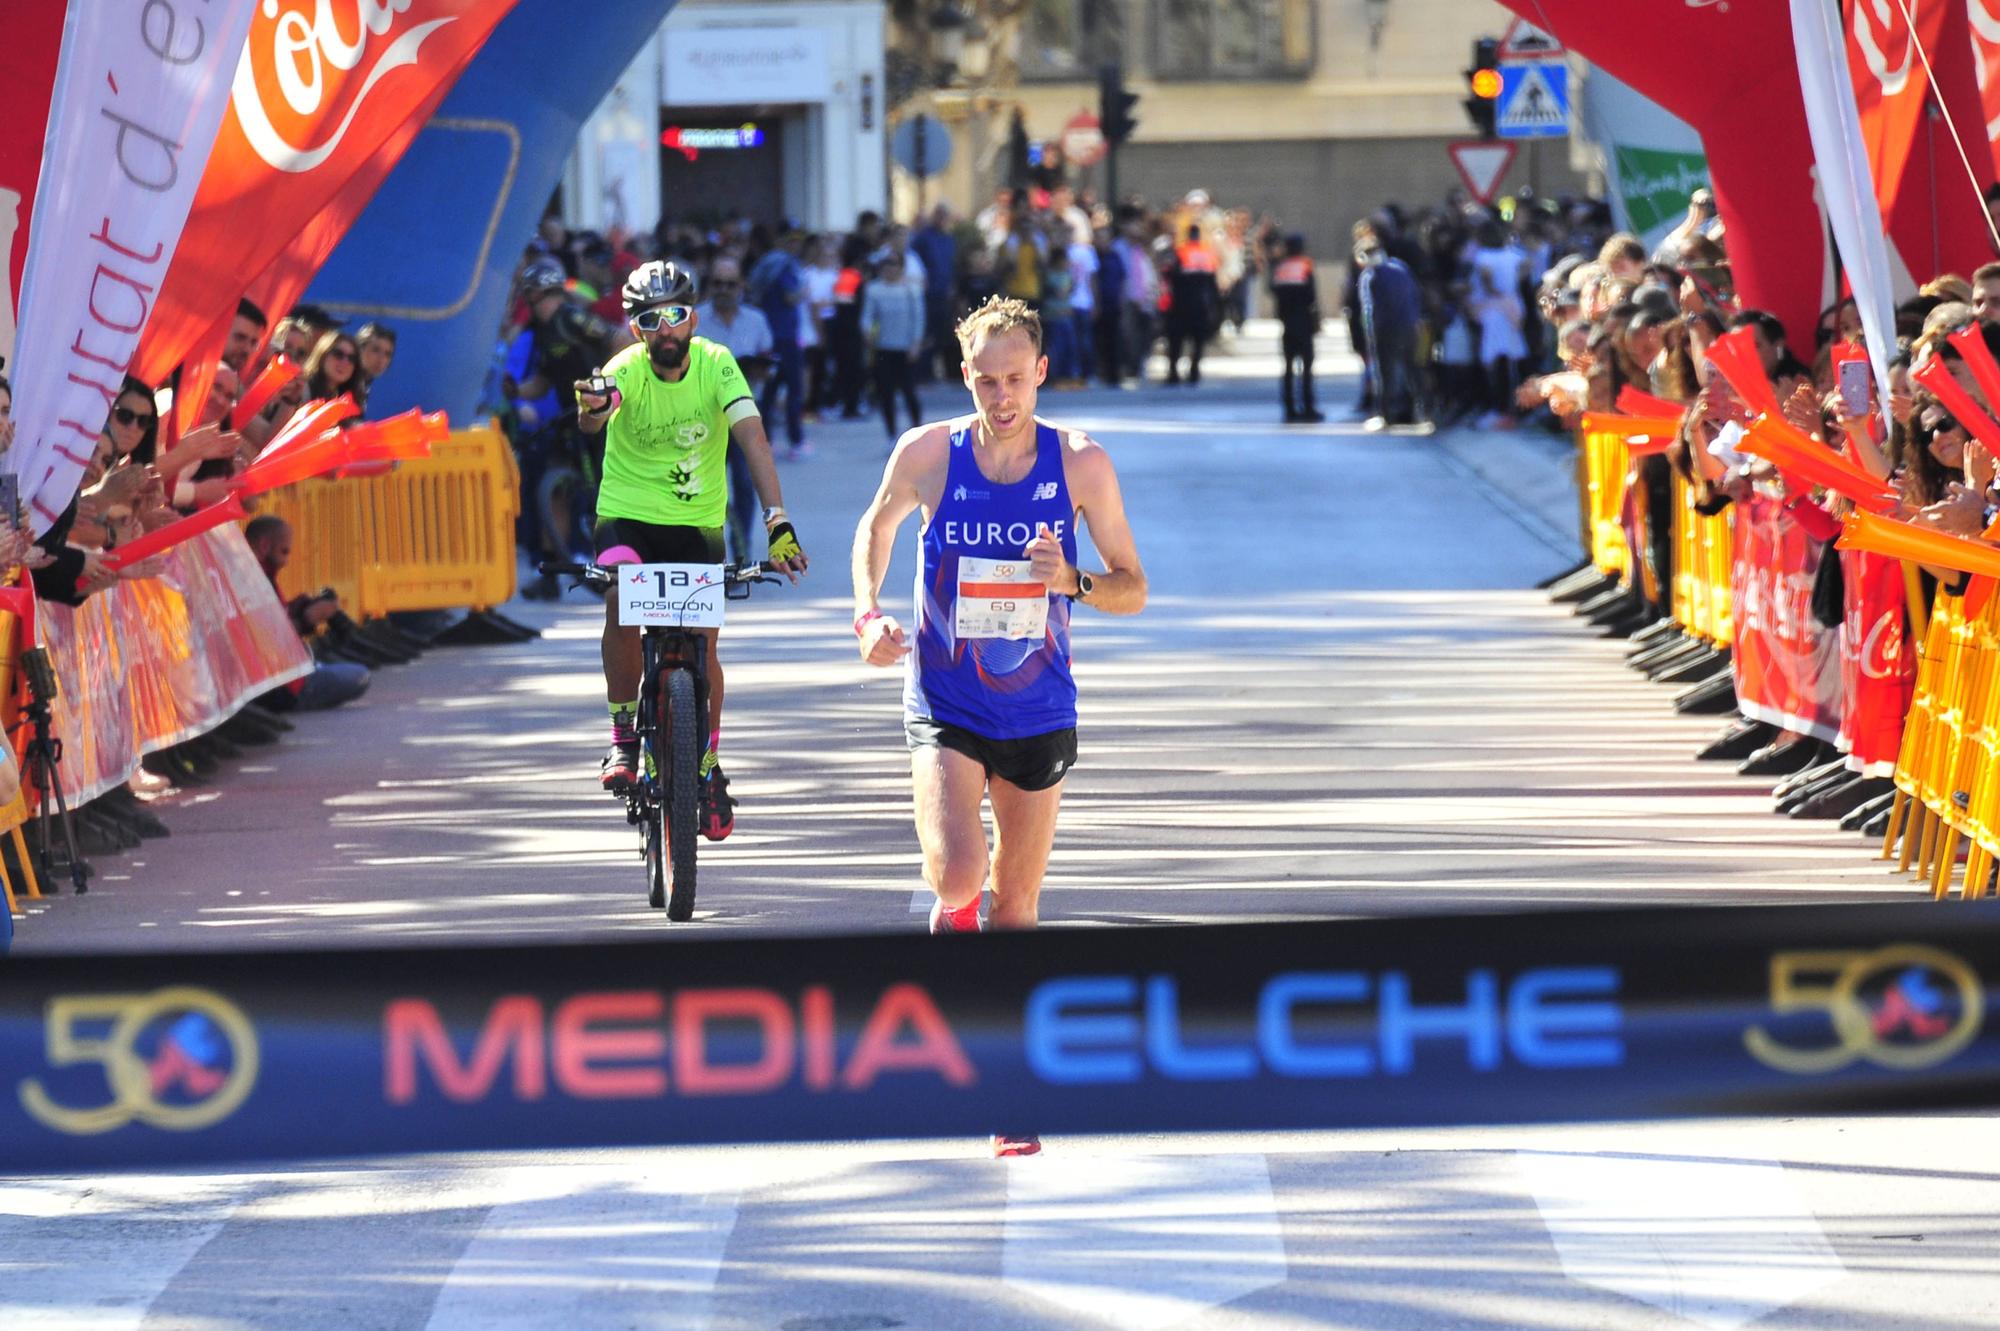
{"x": 724, "y": 318}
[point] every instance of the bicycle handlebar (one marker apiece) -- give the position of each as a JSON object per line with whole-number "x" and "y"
{"x": 604, "y": 578}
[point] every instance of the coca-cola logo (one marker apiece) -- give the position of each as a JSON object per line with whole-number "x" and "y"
{"x": 1884, "y": 42}
{"x": 305, "y": 68}
{"x": 1882, "y": 649}
{"x": 1985, "y": 26}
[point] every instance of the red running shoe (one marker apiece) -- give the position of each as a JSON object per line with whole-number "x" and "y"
{"x": 621, "y": 767}
{"x": 965, "y": 920}
{"x": 718, "y": 808}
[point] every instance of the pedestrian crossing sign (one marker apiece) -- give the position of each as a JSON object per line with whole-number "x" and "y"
{"x": 1534, "y": 100}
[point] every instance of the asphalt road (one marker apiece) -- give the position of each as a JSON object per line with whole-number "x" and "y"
{"x": 1342, "y": 700}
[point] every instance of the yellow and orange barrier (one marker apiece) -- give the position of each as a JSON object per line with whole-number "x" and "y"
{"x": 1704, "y": 548}
{"x": 1604, "y": 463}
{"x": 1948, "y": 769}
{"x": 1704, "y": 545}
{"x": 435, "y": 534}
{"x": 14, "y": 813}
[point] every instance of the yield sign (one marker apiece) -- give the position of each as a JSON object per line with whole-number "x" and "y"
{"x": 1524, "y": 41}
{"x": 1481, "y": 164}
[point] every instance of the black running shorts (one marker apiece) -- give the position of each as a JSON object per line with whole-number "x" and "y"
{"x": 655, "y": 544}
{"x": 1035, "y": 763}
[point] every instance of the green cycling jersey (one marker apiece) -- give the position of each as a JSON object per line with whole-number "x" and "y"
{"x": 665, "y": 446}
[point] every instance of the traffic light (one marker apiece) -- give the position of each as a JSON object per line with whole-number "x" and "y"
{"x": 1114, "y": 105}
{"x": 1482, "y": 80}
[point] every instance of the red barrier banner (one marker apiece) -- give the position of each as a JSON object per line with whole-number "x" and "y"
{"x": 149, "y": 664}
{"x": 1878, "y": 669}
{"x": 1786, "y": 663}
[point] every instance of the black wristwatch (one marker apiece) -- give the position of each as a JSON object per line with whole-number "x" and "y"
{"x": 1085, "y": 584}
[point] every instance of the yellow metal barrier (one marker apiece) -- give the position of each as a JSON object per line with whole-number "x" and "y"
{"x": 15, "y": 813}
{"x": 1718, "y": 560}
{"x": 1689, "y": 604}
{"x": 435, "y": 534}
{"x": 1604, "y": 497}
{"x": 1948, "y": 771}
{"x": 1704, "y": 556}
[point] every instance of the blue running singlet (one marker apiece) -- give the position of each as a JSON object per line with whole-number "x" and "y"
{"x": 992, "y": 645}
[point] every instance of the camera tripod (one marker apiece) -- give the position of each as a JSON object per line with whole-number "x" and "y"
{"x": 39, "y": 761}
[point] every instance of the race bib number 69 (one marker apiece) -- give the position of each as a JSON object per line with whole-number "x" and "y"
{"x": 999, "y": 598}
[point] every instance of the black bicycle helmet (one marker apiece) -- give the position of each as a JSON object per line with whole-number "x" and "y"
{"x": 542, "y": 275}
{"x": 661, "y": 282}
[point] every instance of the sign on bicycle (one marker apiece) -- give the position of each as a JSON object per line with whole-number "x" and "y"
{"x": 670, "y": 595}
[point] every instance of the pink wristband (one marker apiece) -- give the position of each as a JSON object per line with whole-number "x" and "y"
{"x": 861, "y": 624}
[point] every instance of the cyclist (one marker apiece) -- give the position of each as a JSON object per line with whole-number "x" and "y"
{"x": 988, "y": 700}
{"x": 674, "y": 404}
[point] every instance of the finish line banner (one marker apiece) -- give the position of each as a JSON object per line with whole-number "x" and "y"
{"x": 152, "y": 1061}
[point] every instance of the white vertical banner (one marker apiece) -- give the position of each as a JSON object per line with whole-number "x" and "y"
{"x": 1652, "y": 158}
{"x": 1847, "y": 189}
{"x": 139, "y": 93}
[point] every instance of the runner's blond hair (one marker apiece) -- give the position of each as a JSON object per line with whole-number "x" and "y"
{"x": 1000, "y": 314}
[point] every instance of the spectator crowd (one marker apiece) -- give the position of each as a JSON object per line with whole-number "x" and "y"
{"x": 141, "y": 477}
{"x": 857, "y": 324}
{"x": 1532, "y": 312}
{"x": 1536, "y": 316}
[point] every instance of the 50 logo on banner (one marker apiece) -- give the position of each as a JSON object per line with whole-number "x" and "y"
{"x": 178, "y": 1058}
{"x": 1903, "y": 1007}
{"x": 314, "y": 64}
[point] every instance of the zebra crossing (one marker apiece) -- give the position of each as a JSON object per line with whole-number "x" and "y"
{"x": 1703, "y": 1226}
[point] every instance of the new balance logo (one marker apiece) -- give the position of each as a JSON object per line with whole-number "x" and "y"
{"x": 1046, "y": 490}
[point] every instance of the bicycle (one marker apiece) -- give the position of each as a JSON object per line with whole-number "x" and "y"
{"x": 673, "y": 716}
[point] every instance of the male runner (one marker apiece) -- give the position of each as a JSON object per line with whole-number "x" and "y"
{"x": 678, "y": 402}
{"x": 989, "y": 702}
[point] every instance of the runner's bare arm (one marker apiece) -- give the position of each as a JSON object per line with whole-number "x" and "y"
{"x": 900, "y": 494}
{"x": 748, "y": 435}
{"x": 1093, "y": 486}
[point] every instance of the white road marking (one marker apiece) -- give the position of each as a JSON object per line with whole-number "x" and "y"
{"x": 1721, "y": 1243}
{"x": 920, "y": 901}
{"x": 93, "y": 1254}
{"x": 591, "y": 1246}
{"x": 1140, "y": 1242}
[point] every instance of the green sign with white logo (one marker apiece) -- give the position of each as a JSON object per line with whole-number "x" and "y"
{"x": 1655, "y": 184}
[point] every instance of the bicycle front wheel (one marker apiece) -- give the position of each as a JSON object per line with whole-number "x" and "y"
{"x": 680, "y": 778}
